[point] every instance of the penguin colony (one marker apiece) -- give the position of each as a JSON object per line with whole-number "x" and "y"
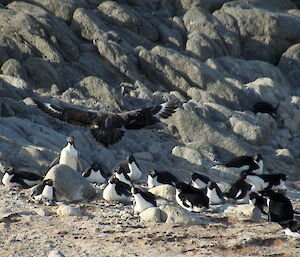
{"x": 265, "y": 191}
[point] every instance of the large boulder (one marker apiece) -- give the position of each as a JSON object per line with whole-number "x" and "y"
{"x": 70, "y": 184}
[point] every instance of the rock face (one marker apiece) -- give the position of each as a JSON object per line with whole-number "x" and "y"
{"x": 217, "y": 57}
{"x": 70, "y": 184}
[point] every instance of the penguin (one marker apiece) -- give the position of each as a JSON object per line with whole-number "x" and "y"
{"x": 94, "y": 174}
{"x": 22, "y": 180}
{"x": 190, "y": 198}
{"x": 214, "y": 193}
{"x": 44, "y": 191}
{"x": 117, "y": 190}
{"x": 280, "y": 206}
{"x": 156, "y": 178}
{"x": 265, "y": 181}
{"x": 259, "y": 201}
{"x": 142, "y": 200}
{"x": 69, "y": 154}
{"x": 135, "y": 172}
{"x": 265, "y": 107}
{"x": 239, "y": 191}
{"x": 121, "y": 174}
{"x": 199, "y": 180}
{"x": 247, "y": 163}
{"x": 291, "y": 227}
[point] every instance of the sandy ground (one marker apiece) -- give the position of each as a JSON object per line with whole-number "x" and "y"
{"x": 112, "y": 230}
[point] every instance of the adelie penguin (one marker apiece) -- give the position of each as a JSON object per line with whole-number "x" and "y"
{"x": 69, "y": 155}
{"x": 121, "y": 174}
{"x": 22, "y": 180}
{"x": 117, "y": 190}
{"x": 108, "y": 128}
{"x": 260, "y": 202}
{"x": 142, "y": 200}
{"x": 199, "y": 180}
{"x": 214, "y": 193}
{"x": 265, "y": 107}
{"x": 135, "y": 172}
{"x": 44, "y": 191}
{"x": 247, "y": 163}
{"x": 239, "y": 191}
{"x": 95, "y": 174}
{"x": 280, "y": 206}
{"x": 157, "y": 178}
{"x": 190, "y": 198}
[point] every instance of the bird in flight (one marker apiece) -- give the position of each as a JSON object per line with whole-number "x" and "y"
{"x": 107, "y": 127}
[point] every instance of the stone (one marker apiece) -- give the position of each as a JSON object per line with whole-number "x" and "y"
{"x": 42, "y": 212}
{"x": 56, "y": 253}
{"x": 248, "y": 211}
{"x": 70, "y": 184}
{"x": 151, "y": 214}
{"x": 176, "y": 215}
{"x": 66, "y": 210}
{"x": 165, "y": 191}
{"x": 13, "y": 67}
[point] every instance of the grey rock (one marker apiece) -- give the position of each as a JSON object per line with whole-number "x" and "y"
{"x": 66, "y": 210}
{"x": 247, "y": 211}
{"x": 175, "y": 214}
{"x": 42, "y": 212}
{"x": 13, "y": 67}
{"x": 56, "y": 253}
{"x": 151, "y": 214}
{"x": 70, "y": 184}
{"x": 164, "y": 191}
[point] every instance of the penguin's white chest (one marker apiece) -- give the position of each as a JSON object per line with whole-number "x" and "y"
{"x": 6, "y": 180}
{"x": 152, "y": 182}
{"x": 135, "y": 173}
{"x": 96, "y": 177}
{"x": 141, "y": 204}
{"x": 48, "y": 193}
{"x": 260, "y": 170}
{"x": 213, "y": 196}
{"x": 69, "y": 156}
{"x": 122, "y": 178}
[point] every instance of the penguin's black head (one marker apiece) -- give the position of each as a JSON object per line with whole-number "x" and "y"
{"x": 70, "y": 140}
{"x": 113, "y": 180}
{"x": 10, "y": 170}
{"x": 283, "y": 176}
{"x": 48, "y": 182}
{"x": 130, "y": 159}
{"x": 181, "y": 185}
{"x": 211, "y": 185}
{"x": 195, "y": 176}
{"x": 257, "y": 157}
{"x": 95, "y": 166}
{"x": 153, "y": 173}
{"x": 253, "y": 195}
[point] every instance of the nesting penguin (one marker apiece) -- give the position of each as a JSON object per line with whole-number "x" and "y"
{"x": 44, "y": 191}
{"x": 142, "y": 200}
{"x": 247, "y": 163}
{"x": 117, "y": 190}
{"x": 214, "y": 193}
{"x": 260, "y": 202}
{"x": 280, "y": 206}
{"x": 22, "y": 180}
{"x": 95, "y": 174}
{"x": 121, "y": 174}
{"x": 190, "y": 198}
{"x": 199, "y": 180}
{"x": 135, "y": 172}
{"x": 257, "y": 183}
{"x": 239, "y": 191}
{"x": 157, "y": 178}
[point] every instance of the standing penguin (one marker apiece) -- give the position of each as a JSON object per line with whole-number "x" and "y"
{"x": 190, "y": 198}
{"x": 214, "y": 193}
{"x": 117, "y": 190}
{"x": 23, "y": 179}
{"x": 69, "y": 154}
{"x": 280, "y": 206}
{"x": 199, "y": 180}
{"x": 95, "y": 174}
{"x": 142, "y": 200}
{"x": 260, "y": 202}
{"x": 156, "y": 178}
{"x": 44, "y": 191}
